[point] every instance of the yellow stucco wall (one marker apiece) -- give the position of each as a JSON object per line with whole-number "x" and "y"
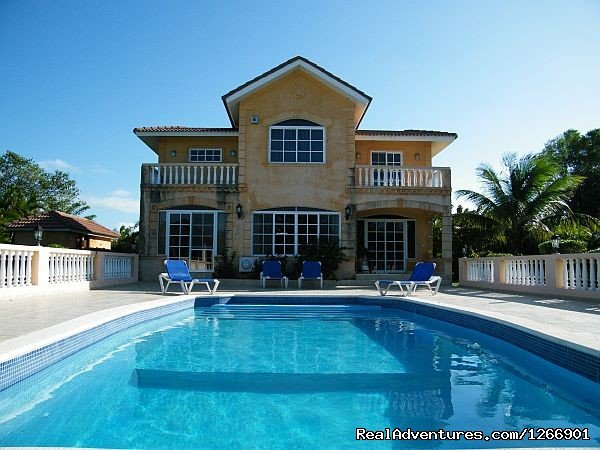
{"x": 296, "y": 96}
{"x": 64, "y": 238}
{"x": 181, "y": 146}
{"x": 408, "y": 149}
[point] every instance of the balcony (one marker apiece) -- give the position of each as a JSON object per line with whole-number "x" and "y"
{"x": 405, "y": 178}
{"x": 217, "y": 174}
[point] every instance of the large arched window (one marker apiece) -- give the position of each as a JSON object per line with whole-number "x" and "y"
{"x": 297, "y": 141}
{"x": 282, "y": 231}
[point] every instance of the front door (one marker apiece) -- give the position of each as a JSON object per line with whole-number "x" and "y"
{"x": 386, "y": 245}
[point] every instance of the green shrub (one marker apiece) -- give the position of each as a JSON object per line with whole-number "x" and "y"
{"x": 225, "y": 265}
{"x": 566, "y": 246}
{"x": 327, "y": 251}
{"x": 54, "y": 245}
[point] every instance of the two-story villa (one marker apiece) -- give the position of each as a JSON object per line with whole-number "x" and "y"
{"x": 293, "y": 166}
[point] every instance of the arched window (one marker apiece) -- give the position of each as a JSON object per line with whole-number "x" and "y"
{"x": 297, "y": 141}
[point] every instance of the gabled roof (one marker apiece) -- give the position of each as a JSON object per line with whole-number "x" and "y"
{"x": 232, "y": 98}
{"x": 60, "y": 221}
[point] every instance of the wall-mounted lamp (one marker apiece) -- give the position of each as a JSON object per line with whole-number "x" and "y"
{"x": 233, "y": 153}
{"x": 357, "y": 156}
{"x": 38, "y": 232}
{"x": 417, "y": 156}
{"x": 348, "y": 211}
{"x": 555, "y": 239}
{"x": 173, "y": 153}
{"x": 239, "y": 211}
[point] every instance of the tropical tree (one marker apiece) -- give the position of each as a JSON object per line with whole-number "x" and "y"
{"x": 579, "y": 154}
{"x": 26, "y": 188}
{"x": 128, "y": 239}
{"x": 522, "y": 204}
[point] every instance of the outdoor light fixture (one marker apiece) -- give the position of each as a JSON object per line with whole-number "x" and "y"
{"x": 348, "y": 211}
{"x": 233, "y": 153}
{"x": 238, "y": 210}
{"x": 555, "y": 239}
{"x": 38, "y": 232}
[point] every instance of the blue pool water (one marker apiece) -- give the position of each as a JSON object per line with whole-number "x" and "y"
{"x": 293, "y": 377}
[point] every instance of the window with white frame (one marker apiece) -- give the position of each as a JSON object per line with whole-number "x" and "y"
{"x": 283, "y": 232}
{"x": 297, "y": 141}
{"x": 386, "y": 158}
{"x": 193, "y": 235}
{"x": 385, "y": 176}
{"x": 206, "y": 155}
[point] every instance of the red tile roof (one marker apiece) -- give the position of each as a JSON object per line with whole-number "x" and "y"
{"x": 56, "y": 220}
{"x": 181, "y": 129}
{"x": 405, "y": 133}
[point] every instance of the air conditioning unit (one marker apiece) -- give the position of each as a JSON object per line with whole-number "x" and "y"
{"x": 247, "y": 263}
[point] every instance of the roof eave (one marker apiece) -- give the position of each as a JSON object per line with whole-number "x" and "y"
{"x": 231, "y": 99}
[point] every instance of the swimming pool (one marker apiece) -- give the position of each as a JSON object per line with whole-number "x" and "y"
{"x": 276, "y": 376}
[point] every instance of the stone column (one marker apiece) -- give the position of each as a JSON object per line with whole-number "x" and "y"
{"x": 447, "y": 243}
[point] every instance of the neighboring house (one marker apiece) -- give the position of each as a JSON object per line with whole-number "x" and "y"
{"x": 63, "y": 229}
{"x": 293, "y": 166}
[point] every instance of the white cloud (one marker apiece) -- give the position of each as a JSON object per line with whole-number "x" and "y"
{"x": 98, "y": 168}
{"x": 121, "y": 193}
{"x": 124, "y": 224}
{"x": 59, "y": 164}
{"x": 118, "y": 200}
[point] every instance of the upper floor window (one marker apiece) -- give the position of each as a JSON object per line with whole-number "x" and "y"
{"x": 297, "y": 141}
{"x": 206, "y": 155}
{"x": 386, "y": 158}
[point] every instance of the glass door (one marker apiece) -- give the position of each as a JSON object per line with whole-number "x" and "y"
{"x": 386, "y": 245}
{"x": 191, "y": 236}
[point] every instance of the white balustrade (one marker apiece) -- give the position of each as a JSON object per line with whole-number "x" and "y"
{"x": 582, "y": 272}
{"x": 70, "y": 266}
{"x": 480, "y": 270}
{"x": 117, "y": 266}
{"x": 525, "y": 271}
{"x": 186, "y": 174}
{"x": 575, "y": 275}
{"x": 36, "y": 268}
{"x": 397, "y": 176}
{"x": 15, "y": 266}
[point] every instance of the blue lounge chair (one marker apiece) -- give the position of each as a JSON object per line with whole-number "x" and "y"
{"x": 177, "y": 272}
{"x": 271, "y": 270}
{"x": 311, "y": 270}
{"x": 422, "y": 275}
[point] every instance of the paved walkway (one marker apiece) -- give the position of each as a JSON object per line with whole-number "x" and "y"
{"x": 574, "y": 321}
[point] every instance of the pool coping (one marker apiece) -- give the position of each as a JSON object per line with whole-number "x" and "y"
{"x": 26, "y": 355}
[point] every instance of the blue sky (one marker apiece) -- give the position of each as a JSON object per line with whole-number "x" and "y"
{"x": 77, "y": 76}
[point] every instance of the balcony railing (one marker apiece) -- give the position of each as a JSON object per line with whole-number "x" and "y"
{"x": 190, "y": 174}
{"x": 404, "y": 177}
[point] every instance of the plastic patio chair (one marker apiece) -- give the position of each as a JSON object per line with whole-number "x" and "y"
{"x": 177, "y": 272}
{"x": 422, "y": 275}
{"x": 271, "y": 270}
{"x": 311, "y": 270}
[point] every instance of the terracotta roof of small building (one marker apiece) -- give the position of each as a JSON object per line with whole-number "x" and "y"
{"x": 57, "y": 220}
{"x": 405, "y": 133}
{"x": 181, "y": 129}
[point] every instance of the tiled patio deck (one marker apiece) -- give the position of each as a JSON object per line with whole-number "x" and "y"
{"x": 575, "y": 321}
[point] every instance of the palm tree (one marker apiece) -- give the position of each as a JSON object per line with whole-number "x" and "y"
{"x": 523, "y": 203}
